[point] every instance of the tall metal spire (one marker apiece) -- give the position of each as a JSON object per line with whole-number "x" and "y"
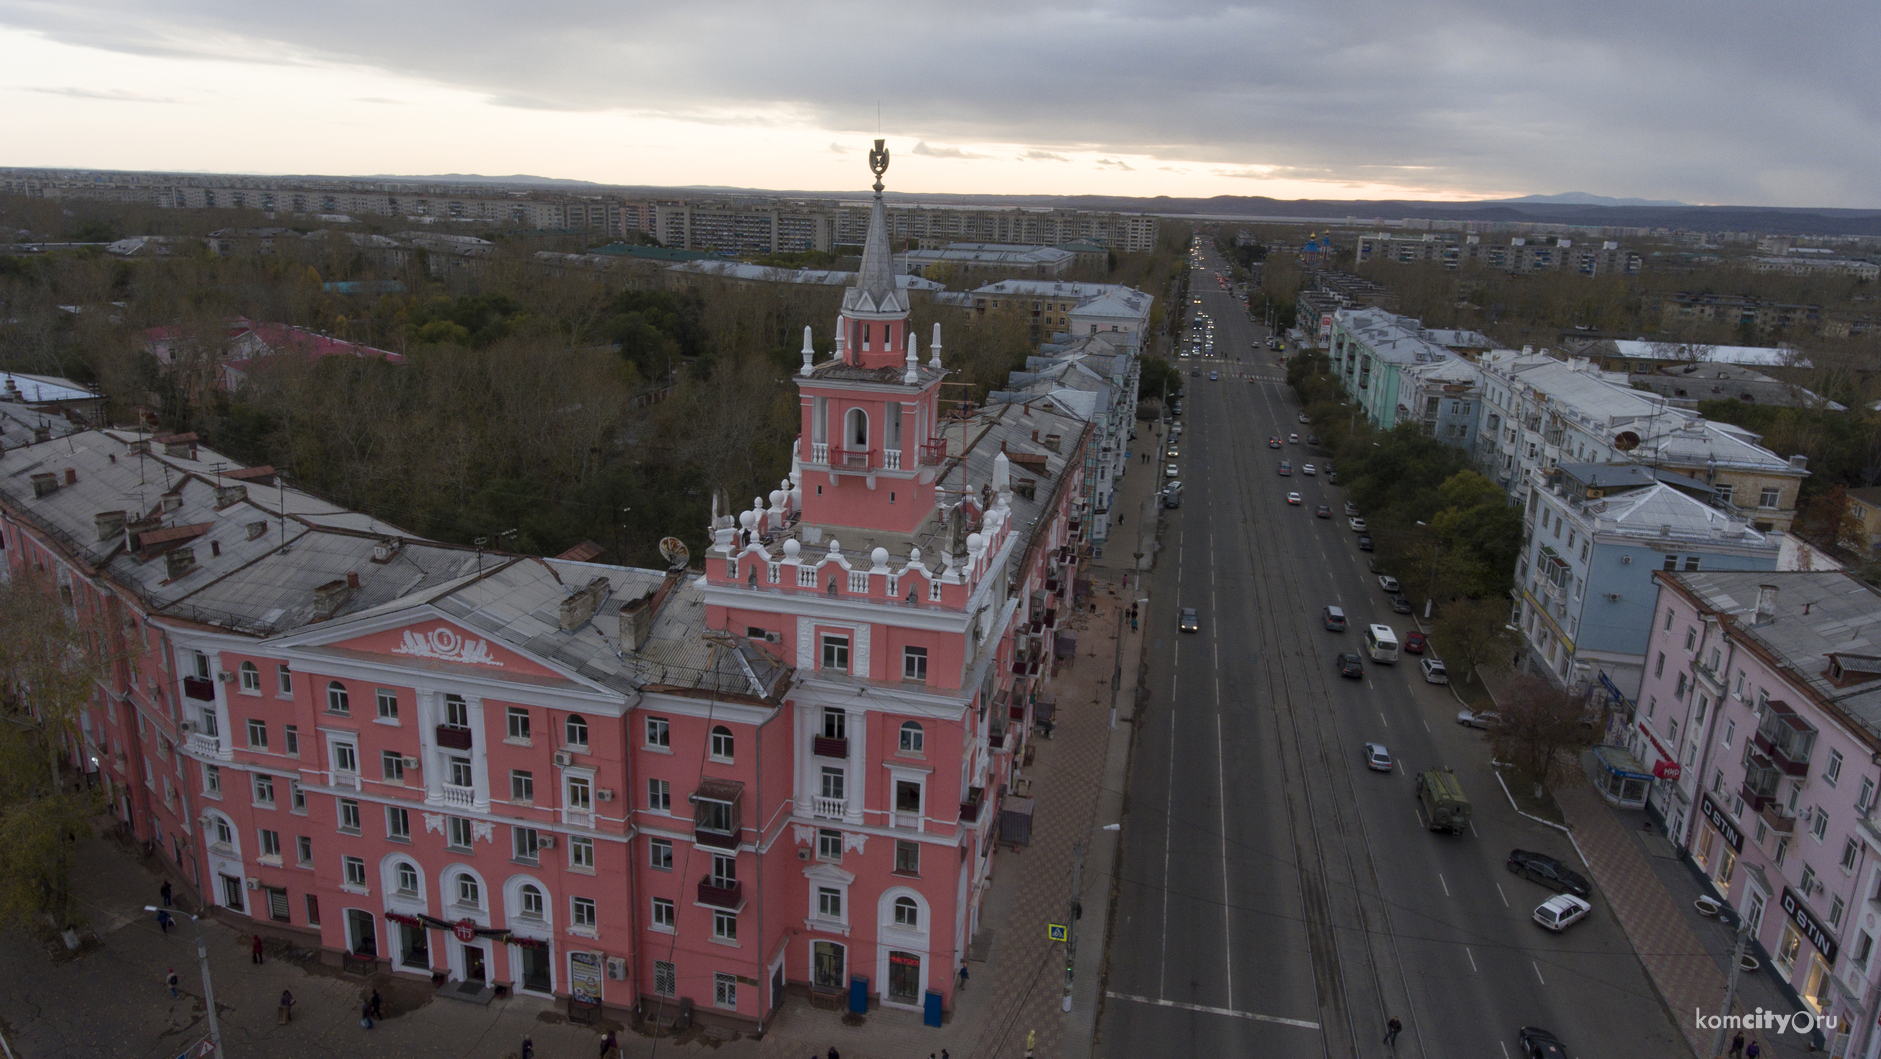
{"x": 875, "y": 290}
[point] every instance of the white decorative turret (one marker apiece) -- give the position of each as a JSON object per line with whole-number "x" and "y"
{"x": 1002, "y": 473}
{"x": 809, "y": 351}
{"x": 933, "y": 350}
{"x": 778, "y": 496}
{"x": 842, "y": 343}
{"x": 835, "y": 548}
{"x": 912, "y": 375}
{"x": 791, "y": 548}
{"x": 878, "y": 561}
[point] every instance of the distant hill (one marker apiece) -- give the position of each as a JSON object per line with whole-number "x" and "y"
{"x": 477, "y": 178}
{"x": 1582, "y": 198}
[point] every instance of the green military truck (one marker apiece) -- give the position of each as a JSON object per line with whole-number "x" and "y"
{"x": 1446, "y": 807}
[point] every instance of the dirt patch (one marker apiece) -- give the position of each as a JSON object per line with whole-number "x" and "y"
{"x": 1522, "y": 788}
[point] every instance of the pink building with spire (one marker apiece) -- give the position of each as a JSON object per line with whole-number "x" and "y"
{"x": 677, "y": 793}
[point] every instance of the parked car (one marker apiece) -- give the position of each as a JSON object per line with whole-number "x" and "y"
{"x": 1538, "y": 1043}
{"x": 1189, "y": 621}
{"x": 1388, "y": 583}
{"x": 1541, "y": 868}
{"x": 1170, "y": 471}
{"x": 1400, "y": 605}
{"x": 1434, "y": 672}
{"x": 1172, "y": 494}
{"x": 1377, "y": 757}
{"x": 1415, "y": 643}
{"x": 1365, "y": 542}
{"x": 1307, "y": 469}
{"x": 1562, "y": 911}
{"x": 1357, "y": 524}
{"x": 1322, "y": 511}
{"x": 1294, "y": 499}
{"x": 1351, "y": 509}
{"x": 1477, "y": 718}
{"x": 1351, "y": 665}
{"x": 1312, "y": 439}
{"x": 1304, "y": 418}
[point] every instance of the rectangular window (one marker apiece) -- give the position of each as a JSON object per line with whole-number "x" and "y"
{"x": 914, "y": 664}
{"x": 303, "y": 851}
{"x": 1767, "y": 498}
{"x": 1671, "y": 562}
{"x": 349, "y": 816}
{"x": 659, "y": 733}
{"x": 251, "y": 679}
{"x": 525, "y": 844}
{"x": 1850, "y": 851}
{"x": 581, "y": 912}
{"x": 1833, "y": 773}
{"x": 1730, "y": 729}
{"x": 345, "y": 758}
{"x": 290, "y": 739}
{"x": 829, "y": 903}
{"x": 659, "y": 796}
{"x": 836, "y": 653}
{"x": 1691, "y": 563}
{"x": 456, "y": 712}
{"x": 1658, "y": 669}
{"x": 392, "y": 764}
{"x": 257, "y": 734}
{"x": 907, "y": 858}
{"x": 829, "y": 846}
{"x": 388, "y": 704}
{"x": 283, "y": 680}
{"x": 522, "y": 787}
{"x": 833, "y": 782}
{"x": 1691, "y": 638}
{"x": 397, "y": 823}
{"x": 660, "y": 854}
{"x": 355, "y": 872}
{"x": 211, "y": 779}
{"x": 264, "y": 791}
{"x": 1819, "y": 827}
{"x": 835, "y": 723}
{"x": 271, "y": 844}
{"x": 1865, "y": 800}
{"x": 313, "y": 910}
{"x": 664, "y": 916}
{"x": 1835, "y": 912}
{"x": 580, "y": 794}
{"x": 725, "y": 926}
{"x": 457, "y": 832}
{"x": 297, "y": 796}
{"x": 725, "y": 986}
{"x": 518, "y": 722}
{"x": 724, "y": 871}
{"x": 459, "y": 773}
{"x": 665, "y": 977}
{"x": 581, "y": 852}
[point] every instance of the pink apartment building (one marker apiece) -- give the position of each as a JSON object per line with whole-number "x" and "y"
{"x": 1765, "y": 689}
{"x": 687, "y": 793}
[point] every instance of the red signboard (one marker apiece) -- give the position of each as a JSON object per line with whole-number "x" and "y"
{"x": 465, "y": 930}
{"x": 1667, "y": 770}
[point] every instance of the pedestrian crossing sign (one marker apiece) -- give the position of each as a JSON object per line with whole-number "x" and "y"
{"x": 1057, "y": 932}
{"x": 208, "y": 1047}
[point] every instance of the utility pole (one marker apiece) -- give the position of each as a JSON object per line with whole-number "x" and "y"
{"x": 208, "y": 987}
{"x": 1730, "y": 987}
{"x": 1076, "y": 908}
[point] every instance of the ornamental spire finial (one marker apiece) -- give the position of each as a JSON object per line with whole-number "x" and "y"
{"x": 878, "y": 163}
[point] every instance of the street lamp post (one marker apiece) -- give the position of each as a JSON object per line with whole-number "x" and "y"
{"x": 1077, "y": 907}
{"x": 1436, "y": 553}
{"x": 208, "y": 987}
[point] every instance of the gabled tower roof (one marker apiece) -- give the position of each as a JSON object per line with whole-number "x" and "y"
{"x": 875, "y": 291}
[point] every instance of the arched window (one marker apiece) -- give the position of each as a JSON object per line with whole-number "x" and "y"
{"x": 336, "y": 698}
{"x": 407, "y": 879}
{"x": 907, "y": 913}
{"x": 251, "y": 678}
{"x": 721, "y": 743}
{"x": 857, "y": 435}
{"x": 530, "y": 906}
{"x": 469, "y": 892}
{"x": 912, "y": 738}
{"x": 577, "y": 730}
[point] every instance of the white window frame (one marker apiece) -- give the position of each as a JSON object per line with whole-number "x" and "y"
{"x": 665, "y": 916}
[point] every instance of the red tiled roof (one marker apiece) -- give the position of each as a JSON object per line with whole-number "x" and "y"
{"x": 173, "y": 533}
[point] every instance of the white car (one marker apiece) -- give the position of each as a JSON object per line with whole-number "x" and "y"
{"x": 1387, "y": 582}
{"x": 1377, "y": 757}
{"x": 1562, "y": 911}
{"x": 1434, "y": 672}
{"x": 1294, "y": 498}
{"x": 1476, "y": 718}
{"x": 1170, "y": 471}
{"x": 1357, "y": 524}
{"x": 1304, "y": 418}
{"x": 1307, "y": 469}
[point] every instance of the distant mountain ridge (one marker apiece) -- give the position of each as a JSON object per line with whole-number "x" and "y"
{"x": 1583, "y": 198}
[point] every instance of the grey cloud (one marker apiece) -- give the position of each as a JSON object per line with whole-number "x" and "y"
{"x": 113, "y": 95}
{"x": 1114, "y": 163}
{"x": 1043, "y": 156}
{"x": 837, "y": 148}
{"x": 1748, "y": 103}
{"x": 928, "y": 150}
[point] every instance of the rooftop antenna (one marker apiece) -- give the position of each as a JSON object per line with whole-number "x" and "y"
{"x": 480, "y": 542}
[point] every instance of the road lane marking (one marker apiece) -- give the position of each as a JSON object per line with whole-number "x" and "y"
{"x": 1505, "y": 897}
{"x": 1472, "y": 956}
{"x": 1427, "y": 726}
{"x": 1381, "y": 719}
{"x": 1446, "y": 886}
{"x": 1505, "y": 1050}
{"x": 1227, "y": 895}
{"x": 1205, "y": 1009}
{"x": 1473, "y": 833}
{"x": 1169, "y": 808}
{"x": 1537, "y": 968}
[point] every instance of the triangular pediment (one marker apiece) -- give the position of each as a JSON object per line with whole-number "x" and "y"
{"x": 824, "y": 872}
{"x": 440, "y": 641}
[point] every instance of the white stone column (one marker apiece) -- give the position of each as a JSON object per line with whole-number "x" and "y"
{"x": 428, "y": 757}
{"x": 479, "y": 756}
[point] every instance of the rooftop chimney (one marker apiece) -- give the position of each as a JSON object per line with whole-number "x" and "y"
{"x": 1766, "y": 605}
{"x": 45, "y": 483}
{"x": 328, "y": 598}
{"x": 71, "y": 476}
{"x": 1799, "y": 462}
{"x": 110, "y": 524}
{"x": 179, "y": 561}
{"x": 580, "y": 606}
{"x": 352, "y": 580}
{"x": 230, "y": 494}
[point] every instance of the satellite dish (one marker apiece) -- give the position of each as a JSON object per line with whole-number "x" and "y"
{"x": 675, "y": 551}
{"x": 1626, "y": 441}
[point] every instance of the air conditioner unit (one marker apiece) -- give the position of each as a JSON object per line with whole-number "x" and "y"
{"x": 1613, "y": 597}
{"x": 226, "y": 677}
{"x": 203, "y": 821}
{"x": 188, "y": 727}
{"x": 606, "y": 794}
{"x": 252, "y": 883}
{"x": 773, "y": 637}
{"x": 411, "y": 762}
{"x": 617, "y": 968}
{"x": 804, "y": 853}
{"x": 564, "y": 759}
{"x": 546, "y": 842}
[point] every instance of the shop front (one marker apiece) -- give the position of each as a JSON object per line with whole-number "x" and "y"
{"x": 1622, "y": 780}
{"x": 1720, "y": 842}
{"x": 1805, "y": 953}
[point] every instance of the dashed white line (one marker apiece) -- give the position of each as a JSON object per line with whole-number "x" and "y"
{"x": 1499, "y": 893}
{"x": 1472, "y": 956}
{"x": 1205, "y": 1009}
{"x": 1227, "y": 895}
{"x": 1446, "y": 885}
{"x": 1538, "y": 976}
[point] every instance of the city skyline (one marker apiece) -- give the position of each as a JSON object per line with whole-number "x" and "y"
{"x": 1280, "y": 100}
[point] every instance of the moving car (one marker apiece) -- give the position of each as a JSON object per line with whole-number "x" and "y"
{"x": 1377, "y": 757}
{"x": 1446, "y": 807}
{"x": 1173, "y": 452}
{"x": 1388, "y": 583}
{"x": 1294, "y": 499}
{"x": 1365, "y": 542}
{"x": 1195, "y": 373}
{"x": 1170, "y": 471}
{"x": 1189, "y": 621}
{"x": 1357, "y": 524}
{"x": 1351, "y": 665}
{"x": 1214, "y": 376}
{"x": 1273, "y": 442}
{"x": 1400, "y": 605}
{"x": 1293, "y": 439}
{"x": 1322, "y": 512}
{"x": 1415, "y": 642}
{"x": 1562, "y": 911}
{"x": 1307, "y": 469}
{"x": 1334, "y": 618}
{"x": 1538, "y": 1043}
{"x": 1312, "y": 439}
{"x": 1286, "y": 469}
{"x": 1541, "y": 868}
{"x": 1477, "y": 718}
{"x": 1434, "y": 672}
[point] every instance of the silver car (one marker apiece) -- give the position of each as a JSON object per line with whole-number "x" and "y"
{"x": 1562, "y": 911}
{"x": 1377, "y": 757}
{"x": 1434, "y": 672}
{"x": 1477, "y": 718}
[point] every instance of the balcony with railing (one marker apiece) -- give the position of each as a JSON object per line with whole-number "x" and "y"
{"x": 934, "y": 452}
{"x": 719, "y": 893}
{"x": 202, "y": 744}
{"x": 717, "y": 813}
{"x": 454, "y": 737}
{"x": 349, "y": 780}
{"x": 819, "y": 452}
{"x": 1761, "y": 778}
{"x": 462, "y": 797}
{"x": 891, "y": 459}
{"x": 829, "y": 808}
{"x": 970, "y": 809}
{"x": 830, "y": 746}
{"x": 202, "y": 689}
{"x": 1786, "y": 738}
{"x": 861, "y": 459}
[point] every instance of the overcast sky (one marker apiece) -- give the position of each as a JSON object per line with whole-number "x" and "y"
{"x": 1723, "y": 102}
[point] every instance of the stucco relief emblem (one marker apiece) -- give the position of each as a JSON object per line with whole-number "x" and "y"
{"x": 434, "y": 822}
{"x": 804, "y": 834}
{"x": 444, "y": 644}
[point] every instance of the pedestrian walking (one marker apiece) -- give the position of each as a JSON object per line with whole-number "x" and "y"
{"x": 609, "y": 1044}
{"x": 963, "y": 976}
{"x": 284, "y": 1012}
{"x": 834, "y": 1054}
{"x": 170, "y": 980}
{"x": 255, "y": 949}
{"x": 1737, "y": 1043}
{"x": 376, "y": 1004}
{"x": 529, "y": 1048}
{"x": 164, "y": 920}
{"x": 1392, "y": 1028}
{"x": 167, "y": 894}
{"x": 365, "y": 1015}
{"x": 1031, "y": 1042}
{"x": 1753, "y": 1051}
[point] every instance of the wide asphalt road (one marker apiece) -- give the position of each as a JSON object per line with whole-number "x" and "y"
{"x": 1275, "y": 896}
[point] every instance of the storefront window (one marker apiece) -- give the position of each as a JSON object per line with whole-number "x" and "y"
{"x": 904, "y": 977}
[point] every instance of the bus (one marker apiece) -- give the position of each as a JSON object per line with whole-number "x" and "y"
{"x": 1381, "y": 643}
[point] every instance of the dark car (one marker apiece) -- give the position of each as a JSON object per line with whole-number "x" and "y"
{"x": 1365, "y": 542}
{"x": 1323, "y": 511}
{"x": 1351, "y": 665}
{"x": 1312, "y": 439}
{"x": 1189, "y": 621}
{"x": 1400, "y": 605}
{"x": 1414, "y": 643}
{"x": 1538, "y": 1043}
{"x": 1541, "y": 868}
